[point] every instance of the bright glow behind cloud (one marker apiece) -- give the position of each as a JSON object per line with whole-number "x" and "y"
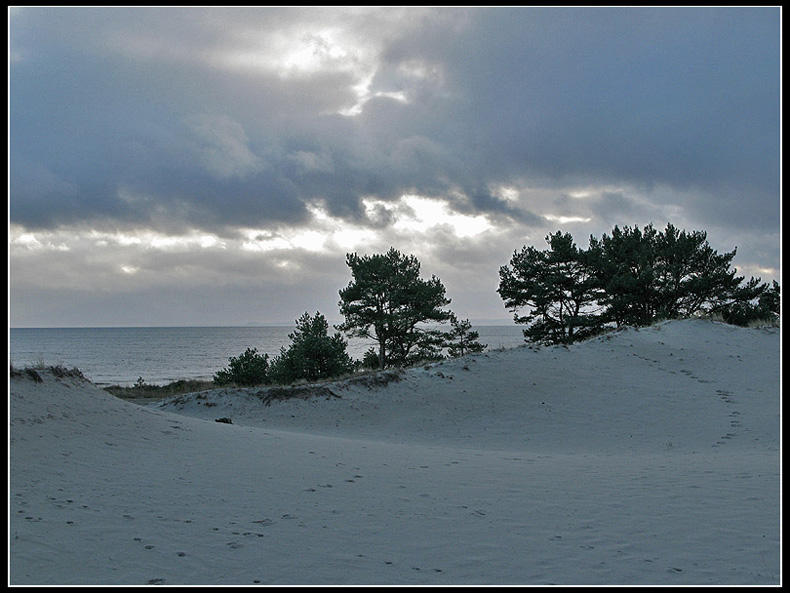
{"x": 414, "y": 213}
{"x": 220, "y": 144}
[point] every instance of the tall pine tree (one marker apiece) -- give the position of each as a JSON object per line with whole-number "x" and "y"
{"x": 389, "y": 302}
{"x": 557, "y": 289}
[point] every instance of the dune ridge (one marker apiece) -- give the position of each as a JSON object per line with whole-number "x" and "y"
{"x": 646, "y": 456}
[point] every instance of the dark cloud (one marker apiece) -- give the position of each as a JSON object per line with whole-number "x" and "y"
{"x": 681, "y": 97}
{"x": 613, "y": 207}
{"x": 161, "y": 119}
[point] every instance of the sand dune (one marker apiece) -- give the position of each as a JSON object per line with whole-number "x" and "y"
{"x": 641, "y": 457}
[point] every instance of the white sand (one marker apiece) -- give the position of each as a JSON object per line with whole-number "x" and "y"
{"x": 643, "y": 457}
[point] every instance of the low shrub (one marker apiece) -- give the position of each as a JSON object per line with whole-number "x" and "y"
{"x": 249, "y": 368}
{"x": 141, "y": 389}
{"x": 313, "y": 354}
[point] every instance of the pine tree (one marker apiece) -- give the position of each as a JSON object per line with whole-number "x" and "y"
{"x": 633, "y": 276}
{"x": 461, "y": 339}
{"x": 771, "y": 299}
{"x": 624, "y": 267}
{"x": 387, "y": 301}
{"x": 750, "y": 302}
{"x": 557, "y": 288}
{"x": 249, "y": 368}
{"x": 648, "y": 275}
{"x": 313, "y": 354}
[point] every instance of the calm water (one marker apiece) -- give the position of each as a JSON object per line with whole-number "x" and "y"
{"x": 119, "y": 355}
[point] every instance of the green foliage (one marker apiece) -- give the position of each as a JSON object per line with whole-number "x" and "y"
{"x": 623, "y": 266}
{"x": 313, "y": 353}
{"x": 249, "y": 368}
{"x": 370, "y": 360}
{"x": 387, "y": 301}
{"x": 428, "y": 347}
{"x": 461, "y": 339}
{"x": 648, "y": 275}
{"x": 751, "y": 303}
{"x": 771, "y": 298}
{"x": 145, "y": 390}
{"x": 558, "y": 287}
{"x": 633, "y": 276}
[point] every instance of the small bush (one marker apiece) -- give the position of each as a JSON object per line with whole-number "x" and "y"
{"x": 34, "y": 375}
{"x": 746, "y": 314}
{"x": 462, "y": 339}
{"x": 370, "y": 360}
{"x": 32, "y": 372}
{"x": 60, "y": 371}
{"x": 144, "y": 390}
{"x": 249, "y": 368}
{"x": 313, "y": 354}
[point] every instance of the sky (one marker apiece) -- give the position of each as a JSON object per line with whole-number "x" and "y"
{"x": 214, "y": 166}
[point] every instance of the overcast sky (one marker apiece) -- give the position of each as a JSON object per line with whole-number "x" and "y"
{"x": 199, "y": 166}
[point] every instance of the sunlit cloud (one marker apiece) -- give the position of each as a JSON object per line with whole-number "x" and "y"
{"x": 309, "y": 240}
{"x": 29, "y": 242}
{"x": 351, "y": 238}
{"x": 66, "y": 240}
{"x": 321, "y": 234}
{"x": 399, "y": 96}
{"x": 507, "y": 193}
{"x": 103, "y": 239}
{"x": 295, "y": 53}
{"x": 593, "y": 190}
{"x": 566, "y": 219}
{"x": 423, "y": 214}
{"x": 245, "y": 145}
{"x": 413, "y": 213}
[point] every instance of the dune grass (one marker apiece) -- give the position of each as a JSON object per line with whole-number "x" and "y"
{"x": 143, "y": 390}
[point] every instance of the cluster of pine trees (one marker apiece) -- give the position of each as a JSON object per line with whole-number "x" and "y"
{"x": 631, "y": 277}
{"x": 386, "y": 301}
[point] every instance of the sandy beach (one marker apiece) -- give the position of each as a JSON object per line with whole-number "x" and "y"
{"x": 647, "y": 456}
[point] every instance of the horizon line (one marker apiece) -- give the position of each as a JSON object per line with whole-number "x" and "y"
{"x": 481, "y": 322}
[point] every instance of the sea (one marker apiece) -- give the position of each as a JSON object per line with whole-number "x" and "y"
{"x": 161, "y": 355}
